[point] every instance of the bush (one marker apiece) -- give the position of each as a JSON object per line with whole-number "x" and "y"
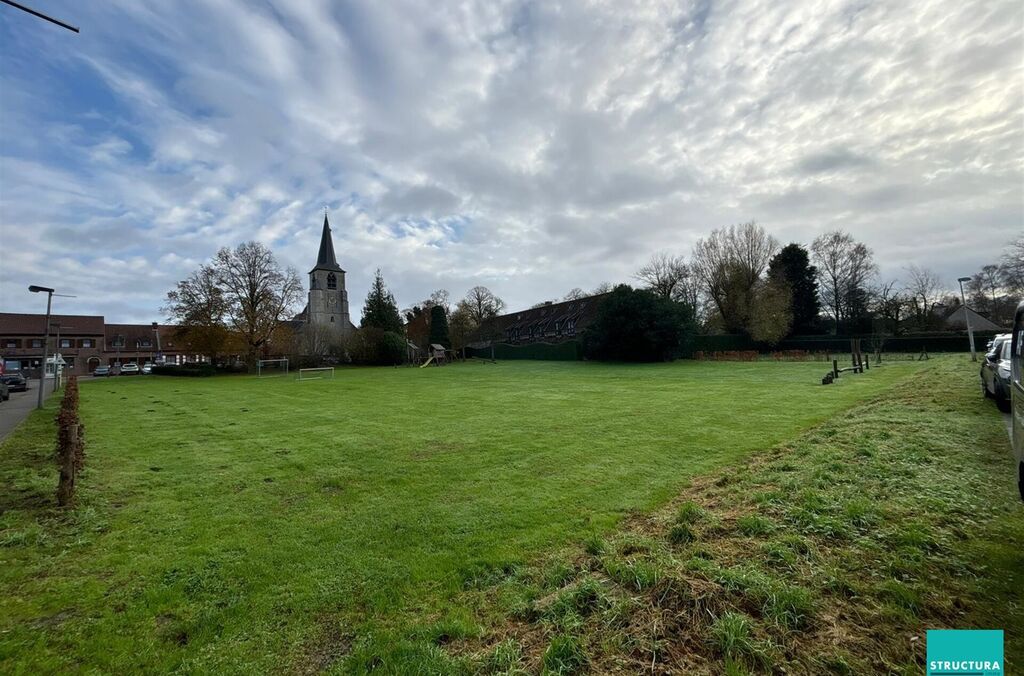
{"x": 638, "y": 325}
{"x": 187, "y": 370}
{"x": 374, "y": 346}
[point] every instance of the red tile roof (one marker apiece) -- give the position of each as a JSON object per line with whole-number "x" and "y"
{"x": 19, "y": 324}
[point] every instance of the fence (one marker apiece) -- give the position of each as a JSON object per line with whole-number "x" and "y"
{"x": 70, "y": 443}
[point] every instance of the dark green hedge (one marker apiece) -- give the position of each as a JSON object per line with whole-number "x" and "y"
{"x": 569, "y": 350}
{"x": 186, "y": 370}
{"x": 933, "y": 342}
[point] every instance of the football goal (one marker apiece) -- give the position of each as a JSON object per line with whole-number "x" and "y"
{"x": 267, "y": 368}
{"x": 316, "y": 373}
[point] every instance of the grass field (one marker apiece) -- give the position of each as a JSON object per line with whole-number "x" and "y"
{"x": 235, "y": 524}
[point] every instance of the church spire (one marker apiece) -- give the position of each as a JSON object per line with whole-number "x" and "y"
{"x": 326, "y": 259}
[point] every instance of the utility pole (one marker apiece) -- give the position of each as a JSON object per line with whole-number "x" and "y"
{"x": 967, "y": 316}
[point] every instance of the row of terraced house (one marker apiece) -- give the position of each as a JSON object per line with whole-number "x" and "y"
{"x": 87, "y": 341}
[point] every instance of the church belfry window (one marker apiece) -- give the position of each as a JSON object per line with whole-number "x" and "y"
{"x": 332, "y": 281}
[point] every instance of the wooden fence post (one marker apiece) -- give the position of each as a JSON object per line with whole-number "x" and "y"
{"x": 835, "y": 368}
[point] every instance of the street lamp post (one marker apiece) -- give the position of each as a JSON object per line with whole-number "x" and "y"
{"x": 46, "y": 338}
{"x": 967, "y": 316}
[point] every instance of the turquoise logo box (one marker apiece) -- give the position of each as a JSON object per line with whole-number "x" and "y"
{"x": 965, "y": 652}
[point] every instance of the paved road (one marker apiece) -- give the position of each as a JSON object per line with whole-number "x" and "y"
{"x": 17, "y": 408}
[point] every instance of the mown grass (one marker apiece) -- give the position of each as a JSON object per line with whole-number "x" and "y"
{"x": 244, "y": 525}
{"x": 832, "y": 553}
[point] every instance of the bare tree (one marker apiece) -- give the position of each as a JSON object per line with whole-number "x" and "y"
{"x": 729, "y": 263}
{"x": 199, "y": 307}
{"x": 1012, "y": 268}
{"x": 890, "y": 304}
{"x": 664, "y": 274}
{"x": 258, "y": 290}
{"x": 844, "y": 268}
{"x": 461, "y": 326}
{"x": 483, "y": 304}
{"x": 924, "y": 288}
{"x": 985, "y": 287}
{"x": 575, "y": 294}
{"x": 603, "y": 287}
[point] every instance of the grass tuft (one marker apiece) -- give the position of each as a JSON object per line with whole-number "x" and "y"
{"x": 564, "y": 655}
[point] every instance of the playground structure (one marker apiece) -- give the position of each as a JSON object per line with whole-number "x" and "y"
{"x": 438, "y": 356}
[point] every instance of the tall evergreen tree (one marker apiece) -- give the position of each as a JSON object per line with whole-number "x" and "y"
{"x": 380, "y": 310}
{"x": 793, "y": 265}
{"x": 439, "y": 326}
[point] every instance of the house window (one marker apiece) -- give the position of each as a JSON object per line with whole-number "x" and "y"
{"x": 145, "y": 343}
{"x": 37, "y": 342}
{"x": 332, "y": 319}
{"x": 87, "y": 342}
{"x": 65, "y": 342}
{"x": 332, "y": 281}
{"x": 117, "y": 341}
{"x": 10, "y": 343}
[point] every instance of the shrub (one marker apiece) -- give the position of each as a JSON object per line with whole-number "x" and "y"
{"x": 638, "y": 325}
{"x": 373, "y": 346}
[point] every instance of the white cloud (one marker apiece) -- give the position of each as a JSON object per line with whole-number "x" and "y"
{"x": 529, "y": 146}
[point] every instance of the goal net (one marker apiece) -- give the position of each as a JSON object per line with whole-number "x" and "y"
{"x": 266, "y": 368}
{"x": 316, "y": 373}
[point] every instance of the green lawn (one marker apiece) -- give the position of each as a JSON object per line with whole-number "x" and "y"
{"x": 236, "y": 524}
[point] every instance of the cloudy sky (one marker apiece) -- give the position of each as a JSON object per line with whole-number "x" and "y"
{"x": 530, "y": 147}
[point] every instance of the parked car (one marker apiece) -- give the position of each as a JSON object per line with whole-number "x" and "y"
{"x": 130, "y": 369}
{"x": 147, "y": 368}
{"x": 992, "y": 352}
{"x": 995, "y": 375}
{"x": 102, "y": 372}
{"x": 5, "y": 393}
{"x": 1017, "y": 394}
{"x": 15, "y": 381}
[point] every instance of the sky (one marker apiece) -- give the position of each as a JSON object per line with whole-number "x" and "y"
{"x": 531, "y": 147}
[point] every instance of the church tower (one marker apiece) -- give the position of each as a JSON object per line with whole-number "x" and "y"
{"x": 328, "y": 299}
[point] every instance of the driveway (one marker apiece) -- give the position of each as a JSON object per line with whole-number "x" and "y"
{"x": 17, "y": 408}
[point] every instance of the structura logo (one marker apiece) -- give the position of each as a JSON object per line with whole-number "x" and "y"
{"x": 965, "y": 652}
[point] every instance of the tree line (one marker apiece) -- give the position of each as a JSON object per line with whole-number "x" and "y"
{"x": 239, "y": 303}
{"x": 739, "y": 279}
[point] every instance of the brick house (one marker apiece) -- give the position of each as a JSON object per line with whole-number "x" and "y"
{"x": 86, "y": 341}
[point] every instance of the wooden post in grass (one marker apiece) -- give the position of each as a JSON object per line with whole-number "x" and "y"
{"x": 867, "y": 361}
{"x": 835, "y": 368}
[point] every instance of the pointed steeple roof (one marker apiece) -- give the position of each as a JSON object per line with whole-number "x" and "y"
{"x": 325, "y": 260}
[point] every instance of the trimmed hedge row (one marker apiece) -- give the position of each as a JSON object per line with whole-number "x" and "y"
{"x": 932, "y": 342}
{"x": 186, "y": 370}
{"x": 70, "y": 443}
{"x": 570, "y": 350}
